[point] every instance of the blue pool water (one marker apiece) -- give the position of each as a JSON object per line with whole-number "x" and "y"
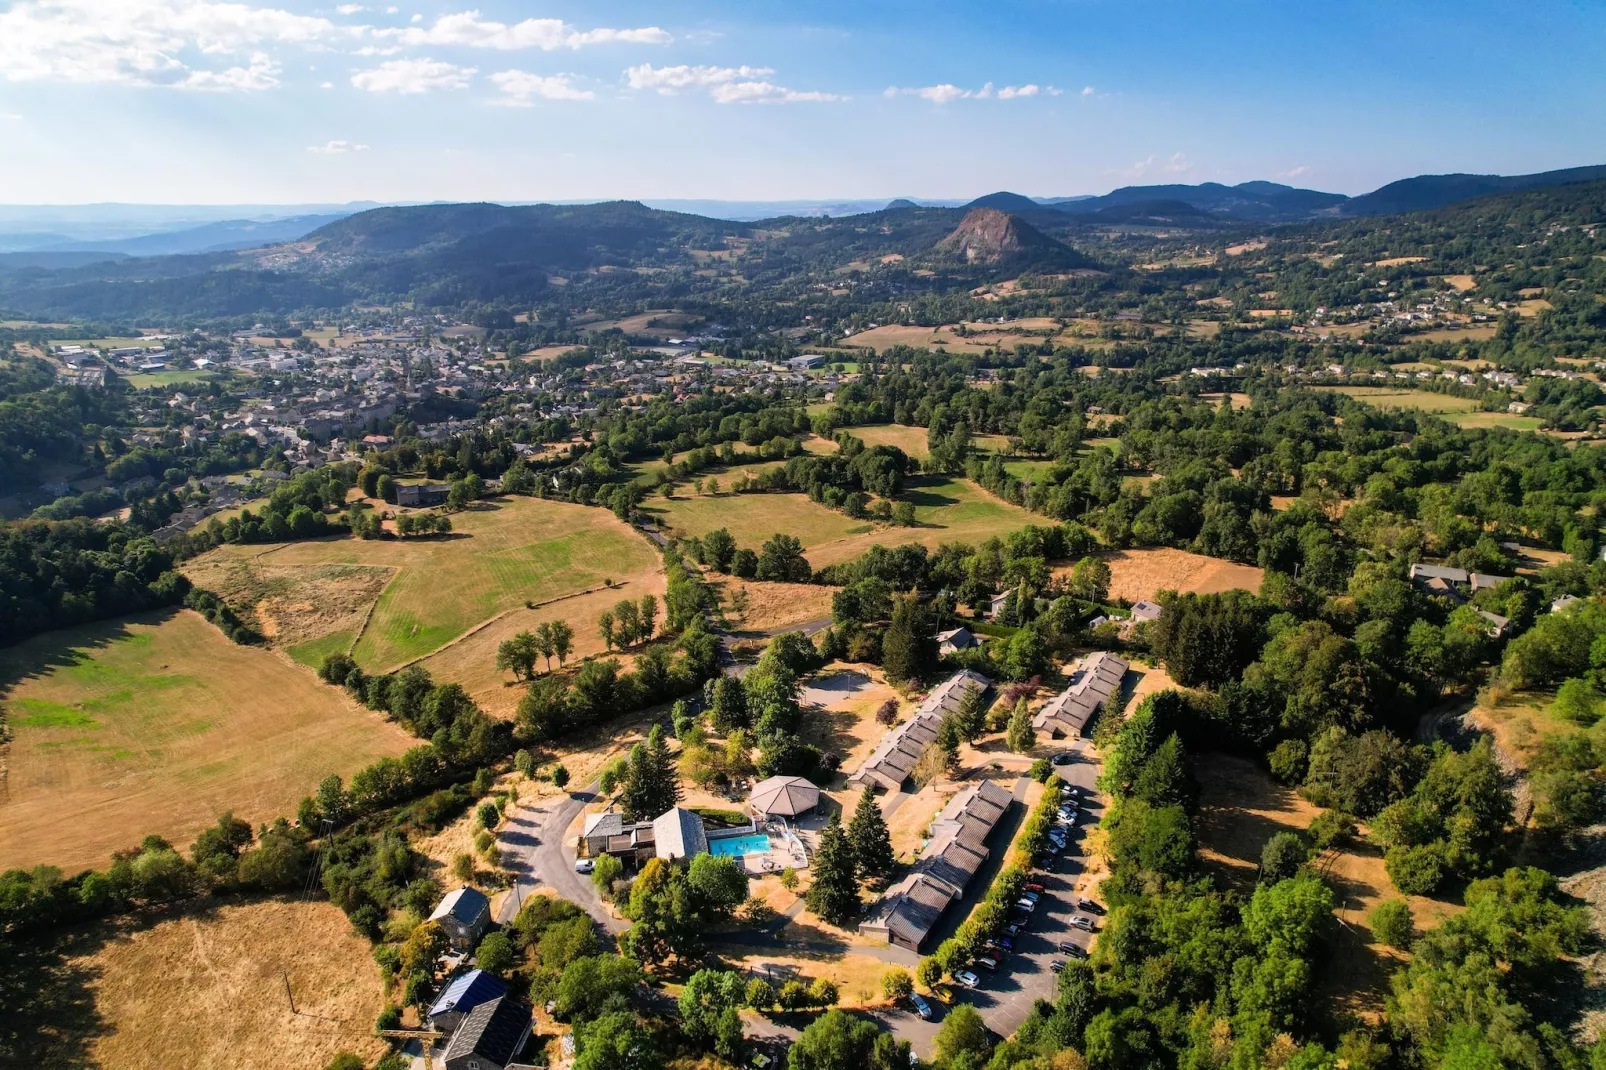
{"x": 736, "y": 846}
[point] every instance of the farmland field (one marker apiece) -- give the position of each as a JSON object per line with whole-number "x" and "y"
{"x": 201, "y": 988}
{"x": 472, "y": 661}
{"x": 946, "y": 510}
{"x": 1385, "y": 397}
{"x": 500, "y": 555}
{"x": 1508, "y": 420}
{"x": 157, "y": 724}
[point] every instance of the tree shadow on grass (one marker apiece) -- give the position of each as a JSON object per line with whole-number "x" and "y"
{"x": 67, "y": 648}
{"x": 46, "y": 987}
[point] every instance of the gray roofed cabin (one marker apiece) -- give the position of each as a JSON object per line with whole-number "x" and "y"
{"x": 491, "y": 1037}
{"x": 463, "y": 916}
{"x": 1093, "y": 681}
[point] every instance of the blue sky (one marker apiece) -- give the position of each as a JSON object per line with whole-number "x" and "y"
{"x": 284, "y": 101}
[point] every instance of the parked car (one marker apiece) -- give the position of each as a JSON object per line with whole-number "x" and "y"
{"x": 1053, "y": 848}
{"x": 1014, "y": 930}
{"x": 584, "y": 865}
{"x": 1090, "y": 906}
{"x": 1067, "y": 947}
{"x": 1073, "y": 792}
{"x": 1033, "y": 896}
{"x": 988, "y": 962}
{"x": 922, "y": 1008}
{"x": 1057, "y": 965}
{"x": 966, "y": 978}
{"x": 1076, "y": 952}
{"x": 1001, "y": 943}
{"x": 1083, "y": 923}
{"x": 1026, "y": 905}
{"x": 1035, "y": 887}
{"x": 1064, "y": 757}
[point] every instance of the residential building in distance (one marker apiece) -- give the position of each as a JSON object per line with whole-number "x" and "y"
{"x": 463, "y": 915}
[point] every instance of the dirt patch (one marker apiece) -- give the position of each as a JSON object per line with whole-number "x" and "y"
{"x": 846, "y": 698}
{"x": 1140, "y": 574}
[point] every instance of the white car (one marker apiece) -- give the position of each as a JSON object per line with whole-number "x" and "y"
{"x": 1083, "y": 923}
{"x": 584, "y": 865}
{"x": 1027, "y": 905}
{"x": 966, "y": 978}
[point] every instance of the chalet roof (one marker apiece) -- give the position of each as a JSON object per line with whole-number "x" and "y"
{"x": 900, "y": 749}
{"x": 492, "y": 1031}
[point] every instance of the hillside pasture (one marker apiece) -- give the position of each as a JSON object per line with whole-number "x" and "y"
{"x": 471, "y": 661}
{"x": 1508, "y": 420}
{"x": 158, "y": 724}
{"x": 946, "y": 510}
{"x": 752, "y": 518}
{"x": 202, "y": 988}
{"x": 1139, "y": 574}
{"x": 500, "y": 555}
{"x": 304, "y": 611}
{"x": 1388, "y": 397}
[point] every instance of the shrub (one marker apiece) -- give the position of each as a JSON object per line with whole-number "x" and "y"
{"x": 1331, "y": 828}
{"x": 760, "y": 994}
{"x": 488, "y": 815}
{"x": 896, "y": 983}
{"x": 1416, "y": 870}
{"x": 823, "y": 993}
{"x": 524, "y": 762}
{"x": 483, "y": 840}
{"x": 794, "y": 996}
{"x": 1281, "y": 858}
{"x": 1289, "y": 761}
{"x": 560, "y": 776}
{"x": 929, "y": 972}
{"x": 1391, "y": 923}
{"x": 389, "y": 1018}
{"x": 495, "y": 953}
{"x": 1041, "y": 770}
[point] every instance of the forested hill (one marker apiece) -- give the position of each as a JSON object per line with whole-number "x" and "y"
{"x": 1435, "y": 191}
{"x": 448, "y": 256}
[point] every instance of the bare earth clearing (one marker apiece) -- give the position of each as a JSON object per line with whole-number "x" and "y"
{"x": 158, "y": 724}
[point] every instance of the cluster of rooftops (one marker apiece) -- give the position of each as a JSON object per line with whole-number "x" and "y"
{"x": 896, "y": 756}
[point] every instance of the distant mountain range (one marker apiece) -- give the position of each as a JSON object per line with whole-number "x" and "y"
{"x": 1272, "y": 202}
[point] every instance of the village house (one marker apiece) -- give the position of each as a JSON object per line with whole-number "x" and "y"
{"x": 461, "y": 995}
{"x": 901, "y": 749}
{"x": 956, "y": 639}
{"x": 1093, "y": 681}
{"x": 463, "y": 916}
{"x": 492, "y": 1037}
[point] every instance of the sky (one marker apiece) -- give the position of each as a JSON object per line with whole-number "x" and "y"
{"x": 286, "y": 101}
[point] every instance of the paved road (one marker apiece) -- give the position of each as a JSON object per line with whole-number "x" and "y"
{"x": 533, "y": 845}
{"x": 728, "y": 641}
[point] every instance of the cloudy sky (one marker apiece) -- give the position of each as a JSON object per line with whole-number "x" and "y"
{"x": 285, "y": 101}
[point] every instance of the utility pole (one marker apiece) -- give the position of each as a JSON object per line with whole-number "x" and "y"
{"x": 289, "y": 994}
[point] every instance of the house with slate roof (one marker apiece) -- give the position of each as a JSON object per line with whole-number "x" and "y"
{"x": 491, "y": 1037}
{"x": 463, "y": 916}
{"x": 900, "y": 750}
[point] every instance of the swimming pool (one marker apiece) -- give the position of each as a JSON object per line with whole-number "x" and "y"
{"x": 736, "y": 846}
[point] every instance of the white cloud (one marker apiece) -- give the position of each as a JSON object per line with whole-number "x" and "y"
{"x": 337, "y": 148}
{"x": 350, "y": 9}
{"x": 768, "y": 93}
{"x": 1175, "y": 164}
{"x": 520, "y": 89}
{"x": 1087, "y": 90}
{"x": 412, "y": 76}
{"x": 150, "y": 42}
{"x": 726, "y": 85}
{"x": 11, "y": 116}
{"x": 327, "y": 85}
{"x": 468, "y": 30}
{"x": 263, "y": 73}
{"x": 1294, "y": 172}
{"x": 667, "y": 80}
{"x": 947, "y": 92}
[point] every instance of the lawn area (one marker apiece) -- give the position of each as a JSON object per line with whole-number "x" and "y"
{"x": 1387, "y": 397}
{"x": 90, "y": 995}
{"x": 1496, "y": 419}
{"x": 158, "y": 724}
{"x": 167, "y": 378}
{"x": 911, "y": 440}
{"x": 501, "y": 554}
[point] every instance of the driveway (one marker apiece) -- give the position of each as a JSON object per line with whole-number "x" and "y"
{"x": 535, "y": 851}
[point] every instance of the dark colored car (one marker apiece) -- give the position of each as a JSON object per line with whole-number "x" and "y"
{"x": 1064, "y": 757}
{"x": 1090, "y": 906}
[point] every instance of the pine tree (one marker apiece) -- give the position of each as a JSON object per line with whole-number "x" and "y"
{"x": 1021, "y": 737}
{"x": 870, "y": 840}
{"x": 834, "y": 895}
{"x": 909, "y": 647}
{"x": 634, "y": 797}
{"x": 664, "y": 774}
{"x": 971, "y": 716}
{"x": 727, "y": 703}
